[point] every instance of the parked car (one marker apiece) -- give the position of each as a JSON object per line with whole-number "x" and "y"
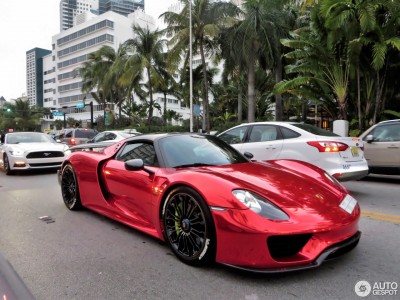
{"x": 341, "y": 157}
{"x": 210, "y": 203}
{"x": 112, "y": 136}
{"x": 30, "y": 150}
{"x": 76, "y": 136}
{"x": 382, "y": 147}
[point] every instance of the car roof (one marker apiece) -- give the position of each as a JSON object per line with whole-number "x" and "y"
{"x": 155, "y": 136}
{"x": 389, "y": 121}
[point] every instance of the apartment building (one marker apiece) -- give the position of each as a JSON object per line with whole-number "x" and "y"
{"x": 34, "y": 75}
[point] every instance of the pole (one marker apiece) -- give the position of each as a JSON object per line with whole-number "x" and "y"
{"x": 190, "y": 67}
{"x": 65, "y": 121}
{"x": 91, "y": 115}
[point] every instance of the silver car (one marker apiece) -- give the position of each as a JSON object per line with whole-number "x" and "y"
{"x": 382, "y": 147}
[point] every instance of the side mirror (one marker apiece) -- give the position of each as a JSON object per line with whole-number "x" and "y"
{"x": 248, "y": 155}
{"x": 370, "y": 138}
{"x": 136, "y": 165}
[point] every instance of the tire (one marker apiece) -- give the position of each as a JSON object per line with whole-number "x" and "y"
{"x": 6, "y": 165}
{"x": 70, "y": 188}
{"x": 188, "y": 227}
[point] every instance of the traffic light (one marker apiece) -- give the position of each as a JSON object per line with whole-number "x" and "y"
{"x": 7, "y": 109}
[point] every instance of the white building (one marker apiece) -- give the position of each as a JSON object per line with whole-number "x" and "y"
{"x": 70, "y": 48}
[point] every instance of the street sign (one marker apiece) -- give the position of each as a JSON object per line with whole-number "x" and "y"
{"x": 107, "y": 118}
{"x": 80, "y": 105}
{"x": 58, "y": 113}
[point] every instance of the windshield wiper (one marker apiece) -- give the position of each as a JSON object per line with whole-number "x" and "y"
{"x": 193, "y": 165}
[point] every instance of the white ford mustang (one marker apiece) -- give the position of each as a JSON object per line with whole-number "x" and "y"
{"x": 30, "y": 150}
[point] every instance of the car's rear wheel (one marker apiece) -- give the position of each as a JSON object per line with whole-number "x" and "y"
{"x": 69, "y": 188}
{"x": 188, "y": 227}
{"x": 6, "y": 165}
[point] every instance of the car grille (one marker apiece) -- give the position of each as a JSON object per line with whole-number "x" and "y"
{"x": 45, "y": 154}
{"x": 286, "y": 245}
{"x": 350, "y": 244}
{"x": 54, "y": 164}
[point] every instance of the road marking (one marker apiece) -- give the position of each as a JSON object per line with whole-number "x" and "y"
{"x": 375, "y": 215}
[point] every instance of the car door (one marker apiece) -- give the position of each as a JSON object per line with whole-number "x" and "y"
{"x": 130, "y": 192}
{"x": 384, "y": 149}
{"x": 264, "y": 142}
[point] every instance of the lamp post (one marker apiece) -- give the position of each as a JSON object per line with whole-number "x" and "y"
{"x": 190, "y": 67}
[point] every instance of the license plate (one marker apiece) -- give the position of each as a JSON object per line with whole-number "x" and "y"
{"x": 354, "y": 151}
{"x": 348, "y": 204}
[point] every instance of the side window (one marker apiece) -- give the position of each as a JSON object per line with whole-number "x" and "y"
{"x": 110, "y": 136}
{"x": 288, "y": 133}
{"x": 68, "y": 135}
{"x": 234, "y": 136}
{"x": 143, "y": 151}
{"x": 99, "y": 138}
{"x": 263, "y": 133}
{"x": 387, "y": 133}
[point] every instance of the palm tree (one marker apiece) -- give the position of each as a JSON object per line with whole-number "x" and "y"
{"x": 147, "y": 49}
{"x": 21, "y": 116}
{"x": 101, "y": 76}
{"x": 257, "y": 35}
{"x": 207, "y": 18}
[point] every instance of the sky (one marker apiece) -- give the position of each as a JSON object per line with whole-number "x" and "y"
{"x": 27, "y": 24}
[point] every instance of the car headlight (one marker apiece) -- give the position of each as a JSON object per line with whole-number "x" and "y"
{"x": 16, "y": 152}
{"x": 260, "y": 205}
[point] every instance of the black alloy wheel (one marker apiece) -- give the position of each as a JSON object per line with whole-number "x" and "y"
{"x": 188, "y": 227}
{"x": 69, "y": 188}
{"x": 6, "y": 165}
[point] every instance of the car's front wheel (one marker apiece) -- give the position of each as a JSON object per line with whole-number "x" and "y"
{"x": 6, "y": 165}
{"x": 188, "y": 227}
{"x": 69, "y": 188}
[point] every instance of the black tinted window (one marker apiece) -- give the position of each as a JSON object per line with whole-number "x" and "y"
{"x": 288, "y": 133}
{"x": 88, "y": 134}
{"x": 142, "y": 151}
{"x": 315, "y": 130}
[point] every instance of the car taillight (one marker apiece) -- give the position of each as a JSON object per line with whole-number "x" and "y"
{"x": 73, "y": 142}
{"x": 327, "y": 146}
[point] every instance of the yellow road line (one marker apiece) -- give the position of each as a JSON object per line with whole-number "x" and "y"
{"x": 375, "y": 215}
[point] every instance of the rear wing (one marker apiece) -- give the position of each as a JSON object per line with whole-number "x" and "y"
{"x": 91, "y": 147}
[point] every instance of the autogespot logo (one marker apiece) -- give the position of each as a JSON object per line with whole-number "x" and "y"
{"x": 362, "y": 288}
{"x": 381, "y": 288}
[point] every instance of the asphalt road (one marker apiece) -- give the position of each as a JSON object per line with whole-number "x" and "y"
{"x": 82, "y": 255}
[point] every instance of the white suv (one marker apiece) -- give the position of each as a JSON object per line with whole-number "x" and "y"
{"x": 341, "y": 157}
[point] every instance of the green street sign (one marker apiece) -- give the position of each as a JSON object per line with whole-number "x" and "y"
{"x": 107, "y": 118}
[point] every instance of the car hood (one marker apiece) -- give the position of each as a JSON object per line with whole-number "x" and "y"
{"x": 39, "y": 147}
{"x": 311, "y": 197}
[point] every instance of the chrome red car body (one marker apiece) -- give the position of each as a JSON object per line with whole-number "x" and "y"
{"x": 317, "y": 227}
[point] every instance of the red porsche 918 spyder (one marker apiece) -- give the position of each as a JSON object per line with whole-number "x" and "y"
{"x": 211, "y": 203}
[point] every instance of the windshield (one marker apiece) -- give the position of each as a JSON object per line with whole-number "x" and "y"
{"x": 198, "y": 150}
{"x": 28, "y": 137}
{"x": 314, "y": 130}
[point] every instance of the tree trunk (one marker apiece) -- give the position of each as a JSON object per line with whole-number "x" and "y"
{"x": 240, "y": 103}
{"x": 278, "y": 97}
{"x": 360, "y": 123}
{"x": 250, "y": 88}
{"x": 151, "y": 98}
{"x": 206, "y": 113}
{"x": 165, "y": 108}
